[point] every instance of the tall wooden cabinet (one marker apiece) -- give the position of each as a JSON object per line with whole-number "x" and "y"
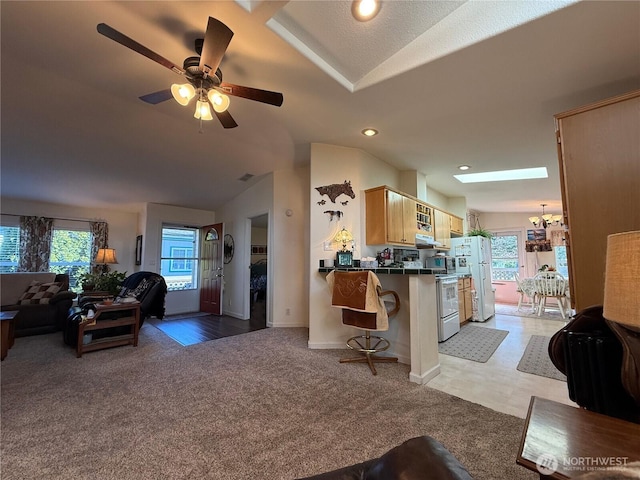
{"x": 599, "y": 156}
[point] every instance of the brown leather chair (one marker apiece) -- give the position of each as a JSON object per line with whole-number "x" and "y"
{"x": 359, "y": 295}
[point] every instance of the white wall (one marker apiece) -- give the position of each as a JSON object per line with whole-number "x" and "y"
{"x": 274, "y": 195}
{"x": 235, "y": 215}
{"x": 156, "y": 216}
{"x": 289, "y": 246}
{"x": 331, "y": 164}
{"x": 123, "y": 225}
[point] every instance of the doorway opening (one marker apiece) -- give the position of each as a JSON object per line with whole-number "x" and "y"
{"x": 258, "y": 277}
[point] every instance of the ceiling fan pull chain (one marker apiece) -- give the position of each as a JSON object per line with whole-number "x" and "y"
{"x": 201, "y": 129}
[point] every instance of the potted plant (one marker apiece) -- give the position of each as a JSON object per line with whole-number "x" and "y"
{"x": 479, "y": 232}
{"x": 103, "y": 282}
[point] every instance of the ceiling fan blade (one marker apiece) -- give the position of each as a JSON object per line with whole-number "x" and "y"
{"x": 216, "y": 41}
{"x": 122, "y": 39}
{"x": 226, "y": 119}
{"x": 157, "y": 97}
{"x": 264, "y": 96}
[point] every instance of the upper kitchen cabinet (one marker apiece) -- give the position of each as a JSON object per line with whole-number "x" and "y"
{"x": 456, "y": 225}
{"x": 442, "y": 228}
{"x": 446, "y": 226}
{"x": 599, "y": 157}
{"x": 391, "y": 217}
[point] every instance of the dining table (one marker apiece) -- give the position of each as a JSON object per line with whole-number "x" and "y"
{"x": 528, "y": 286}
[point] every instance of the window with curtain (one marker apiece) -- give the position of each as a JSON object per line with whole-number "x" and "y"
{"x": 9, "y": 248}
{"x": 179, "y": 257}
{"x": 71, "y": 254}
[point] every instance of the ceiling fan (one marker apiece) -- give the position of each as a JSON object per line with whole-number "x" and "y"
{"x": 202, "y": 74}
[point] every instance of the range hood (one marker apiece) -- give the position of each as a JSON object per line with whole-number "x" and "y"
{"x": 423, "y": 241}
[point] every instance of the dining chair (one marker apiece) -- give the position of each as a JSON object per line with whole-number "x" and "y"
{"x": 551, "y": 285}
{"x": 525, "y": 288}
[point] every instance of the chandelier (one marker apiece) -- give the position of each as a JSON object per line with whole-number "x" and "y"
{"x": 546, "y": 219}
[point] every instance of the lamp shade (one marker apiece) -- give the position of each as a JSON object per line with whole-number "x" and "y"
{"x": 183, "y": 93}
{"x": 219, "y": 101}
{"x": 203, "y": 111}
{"x": 343, "y": 237}
{"x": 622, "y": 279}
{"x": 106, "y": 256}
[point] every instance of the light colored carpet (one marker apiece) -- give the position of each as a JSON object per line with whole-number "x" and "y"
{"x": 536, "y": 361}
{"x": 473, "y": 343}
{"x": 255, "y": 406}
{"x": 525, "y": 311}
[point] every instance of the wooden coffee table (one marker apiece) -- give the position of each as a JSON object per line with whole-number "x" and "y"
{"x": 131, "y": 318}
{"x": 560, "y": 441}
{"x": 7, "y": 331}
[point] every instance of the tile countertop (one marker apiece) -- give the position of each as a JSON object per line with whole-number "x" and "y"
{"x": 386, "y": 270}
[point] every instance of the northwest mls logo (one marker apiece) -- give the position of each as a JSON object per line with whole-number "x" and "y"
{"x": 546, "y": 464}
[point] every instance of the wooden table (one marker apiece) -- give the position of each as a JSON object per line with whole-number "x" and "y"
{"x": 130, "y": 318}
{"x": 7, "y": 331}
{"x": 560, "y": 441}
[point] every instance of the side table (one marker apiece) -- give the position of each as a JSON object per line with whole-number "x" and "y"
{"x": 131, "y": 318}
{"x": 7, "y": 328}
{"x": 560, "y": 441}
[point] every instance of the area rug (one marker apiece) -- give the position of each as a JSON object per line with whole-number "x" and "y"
{"x": 473, "y": 343}
{"x": 525, "y": 311}
{"x": 536, "y": 361}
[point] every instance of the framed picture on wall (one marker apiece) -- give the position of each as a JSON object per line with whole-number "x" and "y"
{"x": 536, "y": 234}
{"x": 139, "y": 250}
{"x": 258, "y": 249}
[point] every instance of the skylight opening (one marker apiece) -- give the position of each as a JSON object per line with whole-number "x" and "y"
{"x": 503, "y": 175}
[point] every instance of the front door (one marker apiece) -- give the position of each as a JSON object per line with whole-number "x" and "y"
{"x": 211, "y": 274}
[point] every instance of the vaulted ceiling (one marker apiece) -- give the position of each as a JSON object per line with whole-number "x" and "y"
{"x": 445, "y": 82}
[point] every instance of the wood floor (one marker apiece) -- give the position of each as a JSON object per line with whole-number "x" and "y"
{"x": 189, "y": 329}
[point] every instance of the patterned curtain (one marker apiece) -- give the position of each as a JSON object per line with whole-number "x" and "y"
{"x": 35, "y": 243}
{"x": 99, "y": 239}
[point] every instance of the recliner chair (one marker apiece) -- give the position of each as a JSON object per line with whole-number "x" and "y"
{"x": 359, "y": 295}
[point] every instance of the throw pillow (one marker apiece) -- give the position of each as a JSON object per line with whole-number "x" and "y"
{"x": 39, "y": 292}
{"x": 141, "y": 288}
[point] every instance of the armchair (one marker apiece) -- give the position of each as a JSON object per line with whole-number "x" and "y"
{"x": 148, "y": 288}
{"x": 46, "y": 316}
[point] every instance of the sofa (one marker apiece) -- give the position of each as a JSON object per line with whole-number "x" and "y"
{"x": 420, "y": 458}
{"x": 41, "y": 310}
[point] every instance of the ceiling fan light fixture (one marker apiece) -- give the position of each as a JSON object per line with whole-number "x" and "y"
{"x": 219, "y": 101}
{"x": 365, "y": 10}
{"x": 203, "y": 112}
{"x": 183, "y": 93}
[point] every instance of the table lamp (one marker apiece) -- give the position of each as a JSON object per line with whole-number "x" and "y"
{"x": 106, "y": 257}
{"x": 344, "y": 257}
{"x": 622, "y": 303}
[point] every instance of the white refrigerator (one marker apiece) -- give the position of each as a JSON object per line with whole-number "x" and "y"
{"x": 473, "y": 256}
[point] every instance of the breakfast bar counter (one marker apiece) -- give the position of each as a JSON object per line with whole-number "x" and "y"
{"x": 413, "y": 333}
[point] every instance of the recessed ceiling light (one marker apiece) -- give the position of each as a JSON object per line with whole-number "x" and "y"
{"x": 369, "y": 132}
{"x": 365, "y": 10}
{"x": 503, "y": 175}
{"x": 464, "y": 167}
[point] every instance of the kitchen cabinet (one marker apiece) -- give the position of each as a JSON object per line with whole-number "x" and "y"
{"x": 390, "y": 217}
{"x": 599, "y": 162}
{"x": 464, "y": 299}
{"x": 456, "y": 225}
{"x": 442, "y": 228}
{"x": 424, "y": 215}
